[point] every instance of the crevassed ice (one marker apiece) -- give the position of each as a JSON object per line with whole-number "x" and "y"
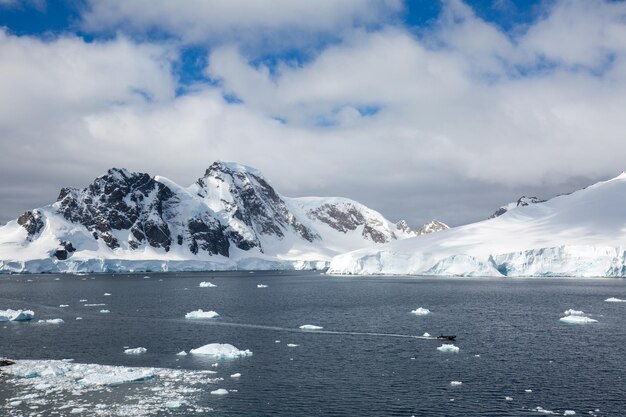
{"x": 200, "y": 315}
{"x": 221, "y": 351}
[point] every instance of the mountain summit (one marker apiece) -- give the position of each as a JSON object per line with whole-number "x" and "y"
{"x": 231, "y": 217}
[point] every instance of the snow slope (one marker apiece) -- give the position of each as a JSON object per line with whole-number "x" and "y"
{"x": 230, "y": 218}
{"x": 582, "y": 234}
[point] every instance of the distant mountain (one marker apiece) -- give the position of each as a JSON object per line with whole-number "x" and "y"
{"x": 429, "y": 227}
{"x": 230, "y": 218}
{"x": 521, "y": 202}
{"x": 582, "y": 234}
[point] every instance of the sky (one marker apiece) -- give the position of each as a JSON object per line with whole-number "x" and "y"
{"x": 419, "y": 109}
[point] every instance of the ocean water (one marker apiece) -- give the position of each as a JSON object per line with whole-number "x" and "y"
{"x": 365, "y": 362}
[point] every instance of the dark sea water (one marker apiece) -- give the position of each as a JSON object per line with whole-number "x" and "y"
{"x": 513, "y": 324}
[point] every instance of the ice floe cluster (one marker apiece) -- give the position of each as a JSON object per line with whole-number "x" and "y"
{"x": 101, "y": 390}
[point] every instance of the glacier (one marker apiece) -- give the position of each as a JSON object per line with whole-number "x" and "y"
{"x": 582, "y": 234}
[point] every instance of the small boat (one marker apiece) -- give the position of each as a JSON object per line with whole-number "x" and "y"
{"x": 446, "y": 337}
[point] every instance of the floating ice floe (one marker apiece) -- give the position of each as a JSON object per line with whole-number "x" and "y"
{"x": 105, "y": 311}
{"x": 16, "y": 315}
{"x": 569, "y": 413}
{"x": 136, "y": 351}
{"x": 51, "y": 321}
{"x": 572, "y": 312}
{"x": 220, "y": 391}
{"x": 456, "y": 383}
{"x": 94, "y": 305}
{"x": 106, "y": 294}
{"x": 221, "y": 351}
{"x": 310, "y": 327}
{"x": 64, "y": 305}
{"x": 426, "y": 334}
{"x": 542, "y": 410}
{"x": 83, "y": 300}
{"x": 576, "y": 317}
{"x": 207, "y": 284}
{"x": 237, "y": 375}
{"x": 181, "y": 353}
{"x": 508, "y": 398}
{"x": 201, "y": 315}
{"x": 79, "y": 318}
{"x": 420, "y": 311}
{"x": 615, "y": 300}
{"x": 261, "y": 286}
{"x": 292, "y": 345}
{"x": 69, "y": 388}
{"x": 528, "y": 391}
{"x": 448, "y": 348}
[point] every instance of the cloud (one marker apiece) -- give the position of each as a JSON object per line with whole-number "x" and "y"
{"x": 199, "y": 21}
{"x": 447, "y": 124}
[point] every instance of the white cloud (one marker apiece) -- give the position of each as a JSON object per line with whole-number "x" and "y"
{"x": 460, "y": 119}
{"x": 203, "y": 20}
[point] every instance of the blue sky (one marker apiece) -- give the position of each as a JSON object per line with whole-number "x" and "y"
{"x": 420, "y": 109}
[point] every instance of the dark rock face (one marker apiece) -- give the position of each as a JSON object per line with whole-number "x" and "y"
{"x": 255, "y": 203}
{"x": 31, "y": 221}
{"x": 521, "y": 202}
{"x": 346, "y": 219}
{"x": 209, "y": 236}
{"x": 121, "y": 200}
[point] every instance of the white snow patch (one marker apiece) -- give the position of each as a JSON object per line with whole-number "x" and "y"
{"x": 221, "y": 351}
{"x": 420, "y": 311}
{"x": 201, "y": 315}
{"x": 448, "y": 348}
{"x": 136, "y": 351}
{"x": 310, "y": 327}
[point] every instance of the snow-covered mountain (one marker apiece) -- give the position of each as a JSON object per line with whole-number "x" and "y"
{"x": 580, "y": 234}
{"x": 522, "y": 201}
{"x": 230, "y": 218}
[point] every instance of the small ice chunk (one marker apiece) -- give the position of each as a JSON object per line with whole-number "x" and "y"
{"x": 572, "y": 312}
{"x": 15, "y": 403}
{"x": 94, "y": 305}
{"x": 146, "y": 277}
{"x": 207, "y": 284}
{"x": 292, "y": 345}
{"x": 201, "y": 315}
{"x": 52, "y": 321}
{"x": 420, "y": 311}
{"x": 237, "y": 375}
{"x": 83, "y": 300}
{"x": 508, "y": 398}
{"x": 105, "y": 311}
{"x": 136, "y": 351}
{"x": 448, "y": 348}
{"x": 276, "y": 341}
{"x": 310, "y": 327}
{"x": 426, "y": 334}
{"x": 77, "y": 410}
{"x": 181, "y": 353}
{"x": 577, "y": 320}
{"x": 64, "y": 305}
{"x": 528, "y": 390}
{"x": 261, "y": 286}
{"x": 174, "y": 404}
{"x": 106, "y": 294}
{"x": 456, "y": 383}
{"x": 220, "y": 391}
{"x": 542, "y": 410}
{"x": 221, "y": 351}
{"x": 569, "y": 413}
{"x": 79, "y": 318}
{"x": 615, "y": 300}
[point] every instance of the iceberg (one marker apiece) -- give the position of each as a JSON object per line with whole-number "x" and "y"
{"x": 310, "y": 327}
{"x": 426, "y": 334}
{"x": 201, "y": 315}
{"x": 237, "y": 375}
{"x": 16, "y": 315}
{"x": 221, "y": 351}
{"x": 136, "y": 351}
{"x": 421, "y": 311}
{"x": 448, "y": 348}
{"x": 207, "y": 284}
{"x": 181, "y": 353}
{"x": 577, "y": 320}
{"x": 64, "y": 305}
{"x": 615, "y": 300}
{"x": 220, "y": 391}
